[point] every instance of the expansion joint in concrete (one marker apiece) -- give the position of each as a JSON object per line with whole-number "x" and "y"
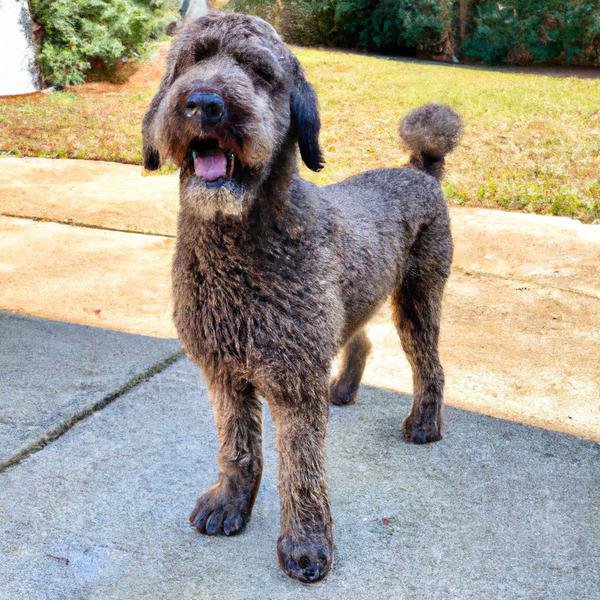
{"x": 58, "y": 431}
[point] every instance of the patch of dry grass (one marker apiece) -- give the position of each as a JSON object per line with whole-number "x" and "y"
{"x": 532, "y": 142}
{"x": 99, "y": 120}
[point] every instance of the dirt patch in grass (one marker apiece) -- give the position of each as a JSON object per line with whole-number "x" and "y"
{"x": 532, "y": 142}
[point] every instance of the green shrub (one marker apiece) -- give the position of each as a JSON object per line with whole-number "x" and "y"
{"x": 388, "y": 25}
{"x": 305, "y": 22}
{"x": 511, "y": 31}
{"x": 394, "y": 24}
{"x": 536, "y": 31}
{"x": 77, "y": 32}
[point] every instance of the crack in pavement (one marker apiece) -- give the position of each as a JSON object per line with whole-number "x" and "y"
{"x": 71, "y": 421}
{"x": 531, "y": 282}
{"x": 73, "y": 223}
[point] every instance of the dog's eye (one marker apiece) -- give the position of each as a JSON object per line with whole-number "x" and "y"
{"x": 265, "y": 72}
{"x": 204, "y": 51}
{"x": 261, "y": 67}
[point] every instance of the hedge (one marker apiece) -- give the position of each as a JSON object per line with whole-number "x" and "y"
{"x": 536, "y": 31}
{"x": 512, "y": 31}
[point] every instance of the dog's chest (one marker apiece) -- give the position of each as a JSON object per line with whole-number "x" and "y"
{"x": 250, "y": 308}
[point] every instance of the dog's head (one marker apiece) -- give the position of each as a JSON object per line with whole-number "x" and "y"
{"x": 232, "y": 99}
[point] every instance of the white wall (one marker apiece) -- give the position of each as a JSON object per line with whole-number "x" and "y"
{"x": 18, "y": 69}
{"x": 194, "y": 9}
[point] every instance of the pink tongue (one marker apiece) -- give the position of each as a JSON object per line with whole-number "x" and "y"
{"x": 211, "y": 165}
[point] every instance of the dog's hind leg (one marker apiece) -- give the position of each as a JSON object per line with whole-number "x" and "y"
{"x": 344, "y": 386}
{"x": 226, "y": 507}
{"x": 416, "y": 304}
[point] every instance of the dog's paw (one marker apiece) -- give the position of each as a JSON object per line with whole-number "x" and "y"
{"x": 420, "y": 432}
{"x": 341, "y": 394}
{"x": 307, "y": 559}
{"x": 219, "y": 513}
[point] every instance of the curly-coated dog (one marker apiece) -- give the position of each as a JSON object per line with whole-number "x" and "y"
{"x": 272, "y": 275}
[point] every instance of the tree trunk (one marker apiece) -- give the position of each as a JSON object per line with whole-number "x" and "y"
{"x": 465, "y": 18}
{"x": 447, "y": 37}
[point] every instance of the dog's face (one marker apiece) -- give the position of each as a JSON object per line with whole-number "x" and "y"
{"x": 231, "y": 96}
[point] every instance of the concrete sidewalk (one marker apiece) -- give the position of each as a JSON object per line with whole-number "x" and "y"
{"x": 521, "y": 325}
{"x": 496, "y": 510}
{"x": 106, "y": 435}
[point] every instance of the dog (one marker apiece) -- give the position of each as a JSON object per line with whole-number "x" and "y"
{"x": 273, "y": 276}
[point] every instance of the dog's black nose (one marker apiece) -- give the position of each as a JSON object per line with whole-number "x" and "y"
{"x": 211, "y": 107}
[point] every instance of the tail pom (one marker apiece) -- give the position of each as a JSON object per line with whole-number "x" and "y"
{"x": 432, "y": 131}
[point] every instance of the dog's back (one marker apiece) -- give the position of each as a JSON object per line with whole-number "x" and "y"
{"x": 378, "y": 216}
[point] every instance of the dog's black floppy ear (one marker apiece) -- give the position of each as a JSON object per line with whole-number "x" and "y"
{"x": 150, "y": 154}
{"x": 151, "y": 158}
{"x": 305, "y": 119}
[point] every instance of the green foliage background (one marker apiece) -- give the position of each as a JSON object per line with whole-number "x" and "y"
{"x": 530, "y": 31}
{"x": 390, "y": 24}
{"x": 77, "y": 32}
{"x": 511, "y": 31}
{"x": 366, "y": 24}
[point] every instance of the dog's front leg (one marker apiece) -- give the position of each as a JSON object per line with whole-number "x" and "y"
{"x": 304, "y": 547}
{"x": 226, "y": 507}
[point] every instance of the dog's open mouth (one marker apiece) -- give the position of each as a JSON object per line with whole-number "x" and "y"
{"x": 212, "y": 163}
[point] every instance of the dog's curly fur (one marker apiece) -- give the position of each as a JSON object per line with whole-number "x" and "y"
{"x": 273, "y": 276}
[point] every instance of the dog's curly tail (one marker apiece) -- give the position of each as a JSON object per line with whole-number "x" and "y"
{"x": 430, "y": 132}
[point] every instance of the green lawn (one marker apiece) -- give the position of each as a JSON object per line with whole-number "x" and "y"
{"x": 531, "y": 143}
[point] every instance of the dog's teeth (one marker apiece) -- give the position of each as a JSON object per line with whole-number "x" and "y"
{"x": 230, "y": 164}
{"x": 194, "y": 154}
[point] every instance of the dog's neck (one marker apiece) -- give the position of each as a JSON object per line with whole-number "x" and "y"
{"x": 273, "y": 194}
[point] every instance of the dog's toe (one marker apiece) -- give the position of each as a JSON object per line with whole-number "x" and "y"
{"x": 233, "y": 523}
{"x": 214, "y": 523}
{"x": 200, "y": 515}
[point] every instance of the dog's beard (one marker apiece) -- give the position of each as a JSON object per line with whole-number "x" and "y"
{"x": 206, "y": 202}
